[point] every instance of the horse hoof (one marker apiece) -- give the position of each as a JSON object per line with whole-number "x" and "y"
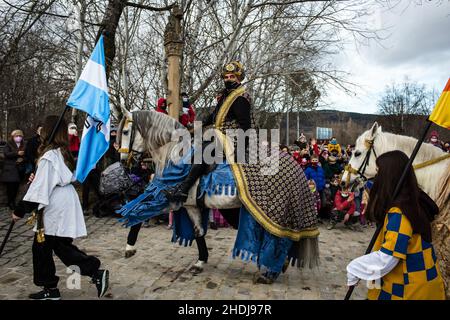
{"x": 196, "y": 270}
{"x": 197, "y": 267}
{"x": 129, "y": 253}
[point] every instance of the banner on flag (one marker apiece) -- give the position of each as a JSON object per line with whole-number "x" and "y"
{"x": 91, "y": 96}
{"x": 441, "y": 112}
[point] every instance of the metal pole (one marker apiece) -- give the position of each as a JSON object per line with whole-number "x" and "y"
{"x": 397, "y": 190}
{"x": 7, "y": 236}
{"x": 287, "y": 128}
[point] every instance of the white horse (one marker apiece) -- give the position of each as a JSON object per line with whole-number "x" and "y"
{"x": 152, "y": 132}
{"x": 432, "y": 169}
{"x": 431, "y": 163}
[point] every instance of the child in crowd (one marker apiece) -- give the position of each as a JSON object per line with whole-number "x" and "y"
{"x": 329, "y": 193}
{"x": 344, "y": 207}
{"x": 313, "y": 188}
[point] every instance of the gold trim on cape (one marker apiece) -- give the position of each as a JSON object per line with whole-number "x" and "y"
{"x": 241, "y": 183}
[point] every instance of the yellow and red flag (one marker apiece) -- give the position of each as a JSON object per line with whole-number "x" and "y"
{"x": 441, "y": 112}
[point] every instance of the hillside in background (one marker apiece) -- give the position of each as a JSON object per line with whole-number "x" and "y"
{"x": 347, "y": 126}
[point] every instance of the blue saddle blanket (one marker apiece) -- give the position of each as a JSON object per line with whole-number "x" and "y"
{"x": 152, "y": 202}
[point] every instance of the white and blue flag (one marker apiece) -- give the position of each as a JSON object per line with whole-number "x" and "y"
{"x": 91, "y": 96}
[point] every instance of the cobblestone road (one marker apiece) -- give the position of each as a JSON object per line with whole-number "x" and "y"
{"x": 160, "y": 269}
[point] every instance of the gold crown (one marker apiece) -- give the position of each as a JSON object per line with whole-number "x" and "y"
{"x": 236, "y": 68}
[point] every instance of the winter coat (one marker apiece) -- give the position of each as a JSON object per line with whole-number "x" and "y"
{"x": 342, "y": 204}
{"x": 74, "y": 143}
{"x": 14, "y": 165}
{"x": 317, "y": 174}
{"x": 331, "y": 169}
{"x": 314, "y": 149}
{"x": 159, "y": 105}
{"x": 188, "y": 116}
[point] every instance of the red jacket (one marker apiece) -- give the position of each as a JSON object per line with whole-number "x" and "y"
{"x": 188, "y": 117}
{"x": 74, "y": 143}
{"x": 316, "y": 149}
{"x": 161, "y": 101}
{"x": 342, "y": 204}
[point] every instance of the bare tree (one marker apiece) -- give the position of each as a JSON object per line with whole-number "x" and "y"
{"x": 400, "y": 101}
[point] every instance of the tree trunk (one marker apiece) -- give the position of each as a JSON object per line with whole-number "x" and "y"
{"x": 110, "y": 22}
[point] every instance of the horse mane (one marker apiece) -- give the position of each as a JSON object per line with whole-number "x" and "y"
{"x": 157, "y": 130}
{"x": 391, "y": 141}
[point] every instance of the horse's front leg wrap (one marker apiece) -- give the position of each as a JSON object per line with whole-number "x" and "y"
{"x": 196, "y": 218}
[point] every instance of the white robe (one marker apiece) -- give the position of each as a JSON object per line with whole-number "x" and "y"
{"x": 52, "y": 189}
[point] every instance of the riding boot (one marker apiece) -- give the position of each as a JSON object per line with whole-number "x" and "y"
{"x": 180, "y": 192}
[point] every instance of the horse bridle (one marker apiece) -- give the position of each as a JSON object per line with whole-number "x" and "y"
{"x": 131, "y": 152}
{"x": 362, "y": 168}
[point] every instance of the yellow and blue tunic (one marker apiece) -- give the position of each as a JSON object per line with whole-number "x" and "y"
{"x": 417, "y": 275}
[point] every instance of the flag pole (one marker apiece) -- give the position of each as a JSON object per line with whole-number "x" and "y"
{"x": 397, "y": 190}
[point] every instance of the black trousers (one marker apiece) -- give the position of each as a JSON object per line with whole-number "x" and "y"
{"x": 12, "y": 188}
{"x": 44, "y": 271}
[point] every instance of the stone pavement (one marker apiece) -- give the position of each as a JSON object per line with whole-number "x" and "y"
{"x": 160, "y": 269}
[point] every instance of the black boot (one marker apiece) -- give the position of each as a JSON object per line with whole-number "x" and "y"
{"x": 180, "y": 192}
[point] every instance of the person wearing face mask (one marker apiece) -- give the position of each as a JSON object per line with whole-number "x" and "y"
{"x": 14, "y": 166}
{"x": 315, "y": 172}
{"x": 239, "y": 116}
{"x": 334, "y": 146}
{"x": 74, "y": 140}
{"x": 187, "y": 116}
{"x": 161, "y": 105}
{"x": 434, "y": 140}
{"x": 344, "y": 207}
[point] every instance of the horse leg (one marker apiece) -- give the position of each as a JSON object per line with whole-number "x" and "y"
{"x": 202, "y": 255}
{"x": 195, "y": 215}
{"x": 130, "y": 249}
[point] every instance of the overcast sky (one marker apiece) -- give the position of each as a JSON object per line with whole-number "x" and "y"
{"x": 418, "y": 48}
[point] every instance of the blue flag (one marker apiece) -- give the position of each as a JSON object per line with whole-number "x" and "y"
{"x": 91, "y": 96}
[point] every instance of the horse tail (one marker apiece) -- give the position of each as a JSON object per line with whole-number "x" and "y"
{"x": 441, "y": 229}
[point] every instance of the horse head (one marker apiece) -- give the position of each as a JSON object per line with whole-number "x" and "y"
{"x": 148, "y": 131}
{"x": 130, "y": 140}
{"x": 362, "y": 162}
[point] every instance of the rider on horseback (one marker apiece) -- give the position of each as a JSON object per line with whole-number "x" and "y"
{"x": 239, "y": 115}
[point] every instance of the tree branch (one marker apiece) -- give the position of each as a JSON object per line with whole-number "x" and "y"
{"x": 141, "y": 6}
